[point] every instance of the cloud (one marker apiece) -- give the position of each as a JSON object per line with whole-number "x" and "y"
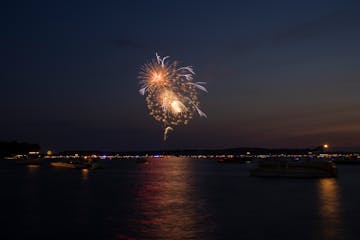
{"x": 324, "y": 25}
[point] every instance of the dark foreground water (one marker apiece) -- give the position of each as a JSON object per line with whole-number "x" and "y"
{"x": 174, "y": 198}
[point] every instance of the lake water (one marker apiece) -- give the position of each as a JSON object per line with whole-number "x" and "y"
{"x": 175, "y": 198}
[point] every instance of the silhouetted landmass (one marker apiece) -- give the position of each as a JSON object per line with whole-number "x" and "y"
{"x": 206, "y": 152}
{"x": 13, "y": 148}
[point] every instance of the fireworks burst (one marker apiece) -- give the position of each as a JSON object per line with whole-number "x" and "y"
{"x": 170, "y": 92}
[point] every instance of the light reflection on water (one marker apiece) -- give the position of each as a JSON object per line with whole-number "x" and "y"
{"x": 330, "y": 209}
{"x": 32, "y": 169}
{"x": 175, "y": 198}
{"x": 84, "y": 174}
{"x": 167, "y": 205}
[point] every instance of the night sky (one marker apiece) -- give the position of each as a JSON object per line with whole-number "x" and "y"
{"x": 279, "y": 73}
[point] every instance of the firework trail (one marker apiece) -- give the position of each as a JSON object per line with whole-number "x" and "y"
{"x": 166, "y": 131}
{"x": 170, "y": 92}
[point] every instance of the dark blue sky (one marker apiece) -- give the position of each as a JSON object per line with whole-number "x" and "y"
{"x": 279, "y": 73}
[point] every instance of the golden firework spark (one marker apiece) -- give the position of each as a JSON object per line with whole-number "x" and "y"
{"x": 170, "y": 92}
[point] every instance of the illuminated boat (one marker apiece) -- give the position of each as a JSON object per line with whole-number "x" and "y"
{"x": 307, "y": 168}
{"x": 88, "y": 163}
{"x": 71, "y": 165}
{"x": 62, "y": 165}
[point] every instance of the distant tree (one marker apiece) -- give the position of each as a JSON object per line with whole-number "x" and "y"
{"x": 14, "y": 147}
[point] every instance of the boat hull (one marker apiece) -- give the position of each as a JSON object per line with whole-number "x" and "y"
{"x": 294, "y": 173}
{"x": 307, "y": 169}
{"x": 69, "y": 165}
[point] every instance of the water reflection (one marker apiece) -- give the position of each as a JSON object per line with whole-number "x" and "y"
{"x": 31, "y": 190}
{"x": 330, "y": 209}
{"x": 167, "y": 206}
{"x": 84, "y": 174}
{"x": 32, "y": 168}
